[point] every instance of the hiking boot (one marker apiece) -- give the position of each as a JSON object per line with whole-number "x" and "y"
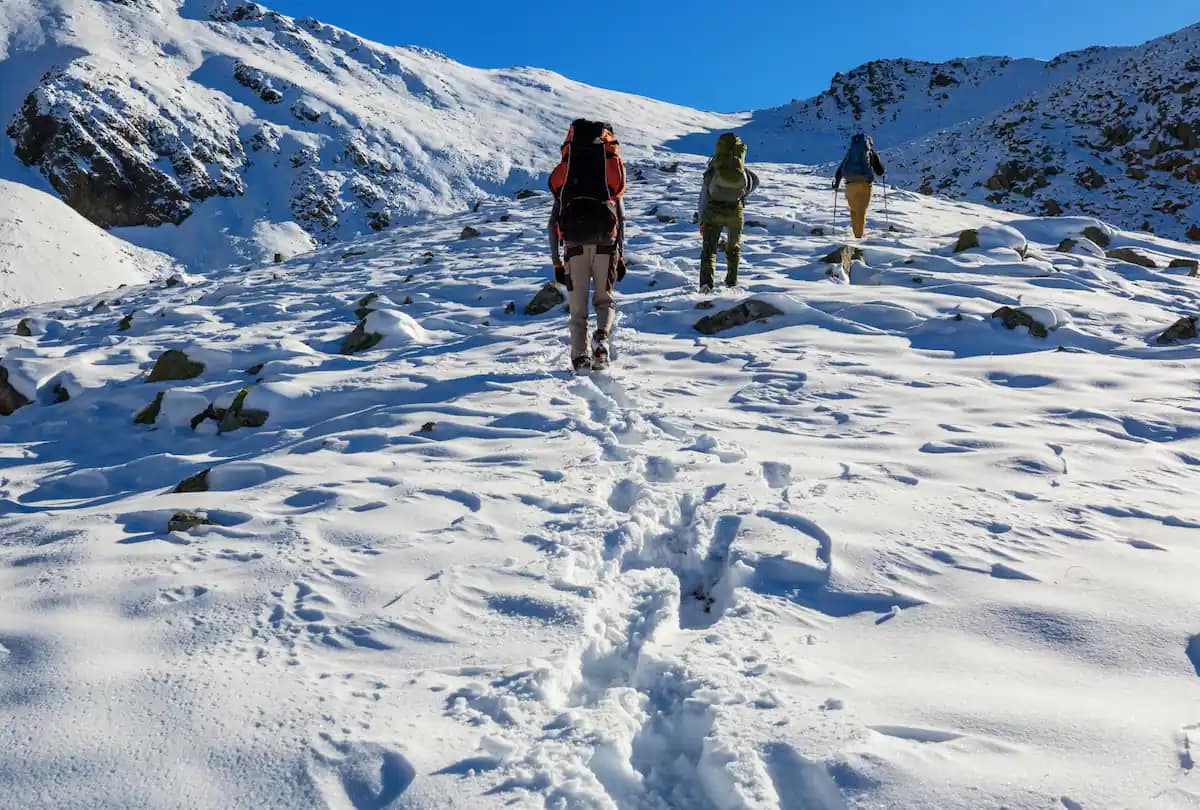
{"x": 706, "y": 289}
{"x": 600, "y": 349}
{"x": 731, "y": 282}
{"x": 582, "y": 363}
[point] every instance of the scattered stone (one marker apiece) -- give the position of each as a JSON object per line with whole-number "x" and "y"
{"x": 428, "y": 427}
{"x": 1188, "y": 264}
{"x": 666, "y": 219}
{"x": 255, "y": 369}
{"x": 705, "y": 305}
{"x": 1182, "y": 329}
{"x": 10, "y": 398}
{"x": 505, "y": 217}
{"x": 967, "y": 240}
{"x": 1193, "y": 233}
{"x": 469, "y": 233}
{"x": 669, "y": 168}
{"x": 1052, "y": 208}
{"x": 746, "y": 312}
{"x": 186, "y": 521}
{"x": 60, "y": 394}
{"x": 547, "y": 299}
{"x": 238, "y": 416}
{"x": 174, "y": 365}
{"x": 844, "y": 255}
{"x": 527, "y": 193}
{"x": 149, "y": 414}
{"x": 1090, "y": 179}
{"x": 918, "y": 279}
{"x": 278, "y": 258}
{"x": 1132, "y": 256}
{"x": 363, "y": 307}
{"x": 754, "y": 223}
{"x": 195, "y": 483}
{"x": 510, "y": 307}
{"x": 23, "y": 328}
{"x": 174, "y": 281}
{"x": 1097, "y": 235}
{"x": 428, "y": 259}
{"x": 360, "y": 339}
{"x": 101, "y": 304}
{"x": 1013, "y": 318}
{"x": 126, "y": 323}
{"x": 817, "y": 231}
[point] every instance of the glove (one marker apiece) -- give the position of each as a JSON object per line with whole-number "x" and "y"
{"x": 560, "y": 274}
{"x": 621, "y": 268}
{"x": 836, "y": 183}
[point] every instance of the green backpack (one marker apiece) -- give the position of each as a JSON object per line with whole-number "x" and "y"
{"x": 729, "y": 178}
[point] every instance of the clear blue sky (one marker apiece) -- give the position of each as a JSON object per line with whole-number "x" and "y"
{"x": 731, "y": 55}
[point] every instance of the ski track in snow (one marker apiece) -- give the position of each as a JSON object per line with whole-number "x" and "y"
{"x": 878, "y": 552}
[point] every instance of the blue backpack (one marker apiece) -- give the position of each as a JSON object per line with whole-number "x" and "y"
{"x": 856, "y": 168}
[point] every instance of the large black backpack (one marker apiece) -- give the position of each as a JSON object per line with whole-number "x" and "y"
{"x": 591, "y": 187}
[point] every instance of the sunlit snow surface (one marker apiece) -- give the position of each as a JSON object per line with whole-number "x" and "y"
{"x": 878, "y": 551}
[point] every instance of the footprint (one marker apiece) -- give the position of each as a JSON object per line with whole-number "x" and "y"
{"x": 171, "y": 596}
{"x": 360, "y": 776}
{"x": 917, "y": 734}
{"x": 624, "y": 495}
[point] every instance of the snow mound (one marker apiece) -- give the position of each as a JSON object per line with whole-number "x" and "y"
{"x": 48, "y": 252}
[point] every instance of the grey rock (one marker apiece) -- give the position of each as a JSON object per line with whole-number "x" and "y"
{"x": 547, "y": 299}
{"x": 1132, "y": 256}
{"x": 186, "y": 521}
{"x": 748, "y": 311}
{"x": 1182, "y": 329}
{"x": 174, "y": 365}
{"x": 1013, "y": 318}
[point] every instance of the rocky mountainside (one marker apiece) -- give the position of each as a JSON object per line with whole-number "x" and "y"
{"x": 223, "y": 132}
{"x": 1113, "y": 132}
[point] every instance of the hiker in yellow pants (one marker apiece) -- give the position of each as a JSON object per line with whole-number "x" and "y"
{"x": 859, "y": 169}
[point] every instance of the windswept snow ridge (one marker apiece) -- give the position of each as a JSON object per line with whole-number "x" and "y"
{"x": 876, "y": 550}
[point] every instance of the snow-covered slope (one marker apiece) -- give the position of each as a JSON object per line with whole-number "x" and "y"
{"x": 47, "y": 251}
{"x": 1113, "y": 132}
{"x": 876, "y": 551}
{"x": 223, "y": 132}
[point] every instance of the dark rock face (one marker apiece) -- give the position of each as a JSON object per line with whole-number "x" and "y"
{"x": 105, "y": 147}
{"x": 1182, "y": 329}
{"x": 547, "y": 299}
{"x": 746, "y": 312}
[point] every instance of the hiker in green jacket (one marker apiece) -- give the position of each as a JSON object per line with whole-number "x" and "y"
{"x": 727, "y": 184}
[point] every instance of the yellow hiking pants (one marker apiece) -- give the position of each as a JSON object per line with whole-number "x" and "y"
{"x": 858, "y": 197}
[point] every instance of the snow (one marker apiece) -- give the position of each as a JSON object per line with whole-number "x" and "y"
{"x": 47, "y": 251}
{"x": 878, "y": 551}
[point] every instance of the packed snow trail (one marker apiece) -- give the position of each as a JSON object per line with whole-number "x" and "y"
{"x": 877, "y": 551}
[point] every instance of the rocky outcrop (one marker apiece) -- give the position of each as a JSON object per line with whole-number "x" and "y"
{"x": 749, "y": 311}
{"x": 118, "y": 156}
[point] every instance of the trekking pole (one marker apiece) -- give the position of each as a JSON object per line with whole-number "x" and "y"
{"x": 886, "y": 211}
{"x": 835, "y": 228}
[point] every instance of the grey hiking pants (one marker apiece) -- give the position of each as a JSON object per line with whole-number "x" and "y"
{"x": 596, "y": 266}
